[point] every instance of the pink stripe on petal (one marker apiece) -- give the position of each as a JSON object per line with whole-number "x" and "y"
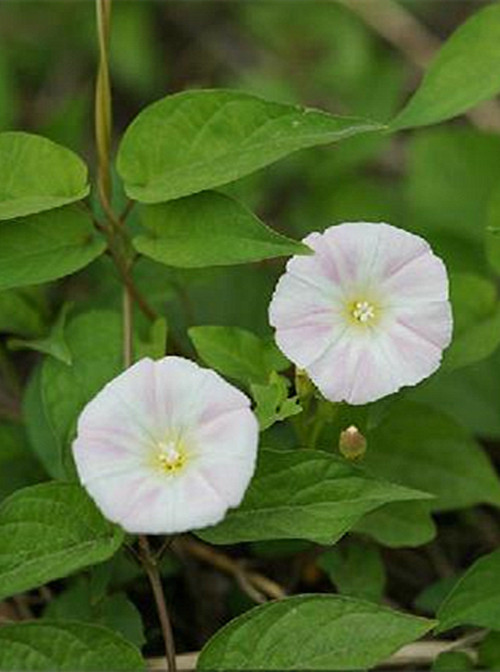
{"x": 304, "y": 344}
{"x": 424, "y": 279}
{"x": 392, "y": 272}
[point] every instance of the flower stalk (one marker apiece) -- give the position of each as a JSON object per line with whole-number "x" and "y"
{"x": 150, "y": 565}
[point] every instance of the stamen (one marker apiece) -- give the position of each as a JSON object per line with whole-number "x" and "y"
{"x": 363, "y": 311}
{"x": 170, "y": 458}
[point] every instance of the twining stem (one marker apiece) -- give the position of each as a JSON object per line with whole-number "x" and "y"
{"x": 103, "y": 137}
{"x": 128, "y": 328}
{"x": 150, "y": 565}
{"x": 103, "y": 119}
{"x": 118, "y": 246}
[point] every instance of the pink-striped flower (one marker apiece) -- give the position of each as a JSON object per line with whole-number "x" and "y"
{"x": 166, "y": 447}
{"x": 366, "y": 314}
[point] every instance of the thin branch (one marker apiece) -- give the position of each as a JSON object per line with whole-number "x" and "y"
{"x": 416, "y": 654}
{"x": 139, "y": 299}
{"x": 151, "y": 568}
{"x": 127, "y": 210}
{"x": 128, "y": 340}
{"x": 186, "y": 661}
{"x": 424, "y": 653}
{"x": 224, "y": 563}
{"x": 23, "y": 607}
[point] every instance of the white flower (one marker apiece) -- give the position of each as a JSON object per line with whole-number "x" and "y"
{"x": 166, "y": 447}
{"x": 366, "y": 314}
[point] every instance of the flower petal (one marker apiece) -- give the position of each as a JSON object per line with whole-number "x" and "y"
{"x": 224, "y": 448}
{"x": 353, "y": 369}
{"x": 422, "y": 280}
{"x": 124, "y": 410}
{"x": 186, "y": 393}
{"x": 306, "y": 318}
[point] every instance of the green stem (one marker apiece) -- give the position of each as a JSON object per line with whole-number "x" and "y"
{"x": 103, "y": 118}
{"x": 120, "y": 252}
{"x": 128, "y": 328}
{"x": 317, "y": 426}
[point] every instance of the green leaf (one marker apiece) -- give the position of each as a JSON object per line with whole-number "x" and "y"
{"x": 54, "y": 344}
{"x": 476, "y": 316}
{"x": 18, "y": 466}
{"x": 209, "y": 229}
{"x": 492, "y": 241}
{"x": 115, "y": 612}
{"x": 473, "y": 297}
{"x": 489, "y": 652}
{"x": 44, "y": 442}
{"x": 94, "y": 341}
{"x": 279, "y": 548}
{"x": 48, "y": 531}
{"x": 197, "y": 140}
{"x": 273, "y": 403}
{"x": 453, "y": 661}
{"x": 475, "y": 599}
{"x": 21, "y": 312}
{"x": 51, "y": 646}
{"x": 304, "y": 494}
{"x": 311, "y": 632}
{"x": 357, "y": 570}
{"x": 36, "y": 174}
{"x": 432, "y": 596}
{"x": 47, "y": 246}
{"x": 465, "y": 72}
{"x": 155, "y": 345}
{"x": 237, "y": 353}
{"x": 422, "y": 448}
{"x": 470, "y": 395}
{"x": 400, "y": 524}
{"x": 452, "y": 173}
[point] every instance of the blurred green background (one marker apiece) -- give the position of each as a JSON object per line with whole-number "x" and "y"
{"x": 360, "y": 59}
{"x": 436, "y": 181}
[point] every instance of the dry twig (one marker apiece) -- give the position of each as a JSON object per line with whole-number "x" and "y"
{"x": 256, "y": 585}
{"x": 418, "y": 653}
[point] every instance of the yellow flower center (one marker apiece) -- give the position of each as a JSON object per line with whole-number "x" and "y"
{"x": 362, "y": 312}
{"x": 170, "y": 457}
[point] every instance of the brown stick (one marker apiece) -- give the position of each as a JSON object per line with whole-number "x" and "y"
{"x": 416, "y": 654}
{"x": 232, "y": 567}
{"x": 151, "y": 568}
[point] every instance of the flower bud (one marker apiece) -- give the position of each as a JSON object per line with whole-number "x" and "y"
{"x": 352, "y": 444}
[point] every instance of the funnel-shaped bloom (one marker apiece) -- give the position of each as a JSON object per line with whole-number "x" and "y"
{"x": 166, "y": 447}
{"x": 366, "y": 314}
